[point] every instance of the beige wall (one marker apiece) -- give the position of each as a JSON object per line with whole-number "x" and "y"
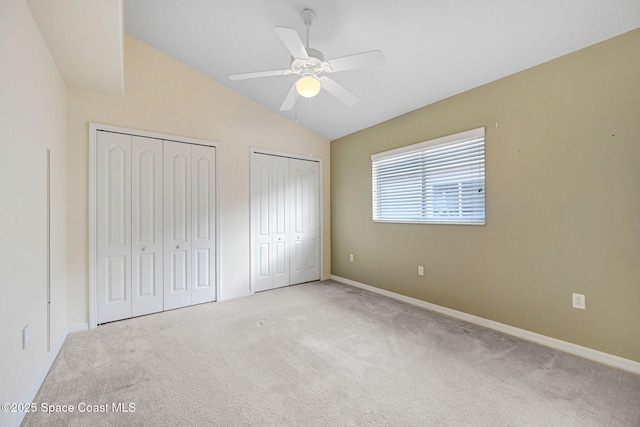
{"x": 563, "y": 203}
{"x": 32, "y": 119}
{"x": 163, "y": 95}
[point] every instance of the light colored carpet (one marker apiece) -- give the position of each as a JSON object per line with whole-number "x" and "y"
{"x": 325, "y": 354}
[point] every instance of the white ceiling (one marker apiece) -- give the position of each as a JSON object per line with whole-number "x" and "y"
{"x": 433, "y": 49}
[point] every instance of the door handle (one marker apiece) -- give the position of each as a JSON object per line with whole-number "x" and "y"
{"x": 144, "y": 248}
{"x": 178, "y": 246}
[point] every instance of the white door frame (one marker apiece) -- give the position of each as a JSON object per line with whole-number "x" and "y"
{"x": 93, "y": 132}
{"x": 255, "y": 150}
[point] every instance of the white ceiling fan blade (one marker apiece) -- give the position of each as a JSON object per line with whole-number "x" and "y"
{"x": 358, "y": 60}
{"x": 290, "y": 99}
{"x": 339, "y": 91}
{"x": 292, "y": 41}
{"x": 256, "y": 74}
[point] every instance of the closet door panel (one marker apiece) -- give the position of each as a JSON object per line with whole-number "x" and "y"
{"x": 177, "y": 225}
{"x": 263, "y": 265}
{"x": 279, "y": 217}
{"x": 203, "y": 161}
{"x": 297, "y": 206}
{"x": 113, "y": 200}
{"x": 146, "y": 226}
{"x": 312, "y": 221}
{"x": 117, "y": 283}
{"x": 145, "y": 283}
{"x": 261, "y": 221}
{"x": 297, "y": 262}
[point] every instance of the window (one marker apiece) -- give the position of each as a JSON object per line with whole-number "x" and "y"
{"x": 437, "y": 181}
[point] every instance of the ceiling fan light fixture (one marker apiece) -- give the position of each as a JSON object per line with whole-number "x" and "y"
{"x": 308, "y": 86}
{"x": 308, "y": 64}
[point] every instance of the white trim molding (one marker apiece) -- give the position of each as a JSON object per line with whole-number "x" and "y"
{"x": 78, "y": 327}
{"x": 234, "y": 296}
{"x": 564, "y": 346}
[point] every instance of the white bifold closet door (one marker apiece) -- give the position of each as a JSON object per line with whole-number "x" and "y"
{"x": 270, "y": 212}
{"x": 305, "y": 221}
{"x": 140, "y": 215}
{"x": 189, "y": 240}
{"x": 129, "y": 217}
{"x": 146, "y": 226}
{"x": 285, "y": 209}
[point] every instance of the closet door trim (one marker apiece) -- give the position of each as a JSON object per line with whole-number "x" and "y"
{"x": 319, "y": 160}
{"x": 94, "y": 128}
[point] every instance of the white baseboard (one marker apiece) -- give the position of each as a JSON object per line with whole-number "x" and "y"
{"x": 234, "y": 296}
{"x": 35, "y": 387}
{"x": 567, "y": 347}
{"x": 78, "y": 327}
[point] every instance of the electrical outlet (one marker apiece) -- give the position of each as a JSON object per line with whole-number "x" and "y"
{"x": 420, "y": 270}
{"x": 26, "y": 337}
{"x": 350, "y": 257}
{"x": 579, "y": 301}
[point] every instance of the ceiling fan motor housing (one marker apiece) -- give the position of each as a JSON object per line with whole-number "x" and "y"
{"x": 314, "y": 65}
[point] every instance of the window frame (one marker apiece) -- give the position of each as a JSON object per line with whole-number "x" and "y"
{"x": 427, "y": 202}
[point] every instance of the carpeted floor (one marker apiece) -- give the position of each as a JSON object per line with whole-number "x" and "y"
{"x": 324, "y": 354}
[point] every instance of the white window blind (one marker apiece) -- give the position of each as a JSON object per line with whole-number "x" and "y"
{"x": 436, "y": 181}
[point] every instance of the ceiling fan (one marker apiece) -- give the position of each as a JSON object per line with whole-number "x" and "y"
{"x": 311, "y": 66}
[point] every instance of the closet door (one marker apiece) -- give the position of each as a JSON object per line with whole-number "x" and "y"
{"x": 189, "y": 218}
{"x": 311, "y": 212}
{"x": 203, "y": 160}
{"x": 285, "y": 215}
{"x": 270, "y": 221}
{"x": 177, "y": 230}
{"x": 279, "y": 217}
{"x": 113, "y": 236}
{"x": 298, "y": 173}
{"x": 305, "y": 221}
{"x": 155, "y": 230}
{"x": 261, "y": 221}
{"x": 146, "y": 226}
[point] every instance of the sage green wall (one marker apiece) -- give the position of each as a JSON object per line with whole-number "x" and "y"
{"x": 563, "y": 203}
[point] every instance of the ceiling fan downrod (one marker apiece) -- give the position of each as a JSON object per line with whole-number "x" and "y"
{"x": 308, "y": 16}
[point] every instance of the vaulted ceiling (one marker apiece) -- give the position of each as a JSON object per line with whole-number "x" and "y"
{"x": 433, "y": 49}
{"x": 85, "y": 39}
